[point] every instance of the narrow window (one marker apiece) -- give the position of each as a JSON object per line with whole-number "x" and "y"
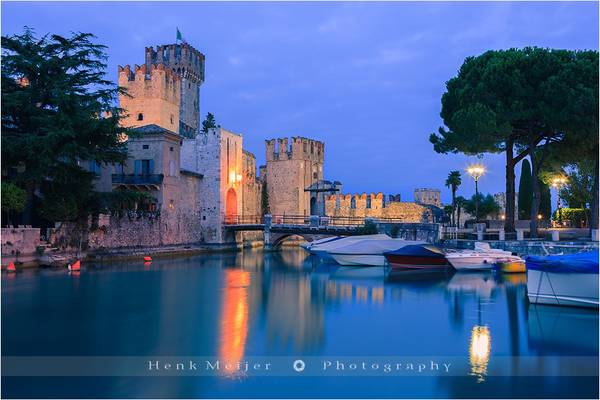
{"x": 353, "y": 202}
{"x": 145, "y": 147}
{"x": 140, "y": 117}
{"x": 368, "y": 201}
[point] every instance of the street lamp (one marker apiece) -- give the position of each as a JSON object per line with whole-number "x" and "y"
{"x": 558, "y": 183}
{"x": 476, "y": 171}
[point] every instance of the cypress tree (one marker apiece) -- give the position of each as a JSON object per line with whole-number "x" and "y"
{"x": 525, "y": 190}
{"x": 545, "y": 201}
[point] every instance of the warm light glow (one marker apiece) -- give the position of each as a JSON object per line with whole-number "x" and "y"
{"x": 234, "y": 318}
{"x": 239, "y": 177}
{"x": 503, "y": 217}
{"x": 232, "y": 176}
{"x": 558, "y": 182}
{"x": 540, "y": 216}
{"x": 479, "y": 351}
{"x": 476, "y": 171}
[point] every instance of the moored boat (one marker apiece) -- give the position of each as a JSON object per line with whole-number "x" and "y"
{"x": 322, "y": 250}
{"x": 481, "y": 258}
{"x": 309, "y": 245}
{"x": 569, "y": 280}
{"x": 421, "y": 256}
{"x": 510, "y": 265}
{"x": 368, "y": 252}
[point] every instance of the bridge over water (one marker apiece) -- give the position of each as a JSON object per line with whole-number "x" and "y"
{"x": 278, "y": 228}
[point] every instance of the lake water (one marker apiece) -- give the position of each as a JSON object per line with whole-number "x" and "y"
{"x": 285, "y": 306}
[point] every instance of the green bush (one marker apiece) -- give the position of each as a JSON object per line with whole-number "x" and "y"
{"x": 369, "y": 228}
{"x": 577, "y": 217}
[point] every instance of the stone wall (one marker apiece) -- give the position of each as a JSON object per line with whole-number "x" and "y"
{"x": 154, "y": 92}
{"x": 291, "y": 169}
{"x": 22, "y": 241}
{"x": 372, "y": 205}
{"x": 170, "y": 228}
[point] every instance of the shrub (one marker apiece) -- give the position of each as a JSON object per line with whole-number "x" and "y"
{"x": 577, "y": 217}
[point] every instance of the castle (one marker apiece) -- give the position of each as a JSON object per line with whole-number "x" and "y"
{"x": 195, "y": 182}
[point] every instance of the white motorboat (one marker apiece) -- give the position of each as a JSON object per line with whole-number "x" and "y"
{"x": 564, "y": 280}
{"x": 368, "y": 252}
{"x": 309, "y": 245}
{"x": 481, "y": 258}
{"x": 322, "y": 250}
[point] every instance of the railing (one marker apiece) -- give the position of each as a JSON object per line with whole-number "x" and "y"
{"x": 148, "y": 179}
{"x": 244, "y": 220}
{"x": 307, "y": 220}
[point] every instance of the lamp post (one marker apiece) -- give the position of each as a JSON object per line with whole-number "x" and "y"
{"x": 476, "y": 171}
{"x": 558, "y": 183}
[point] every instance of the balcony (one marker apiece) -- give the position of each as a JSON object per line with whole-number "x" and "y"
{"x": 148, "y": 181}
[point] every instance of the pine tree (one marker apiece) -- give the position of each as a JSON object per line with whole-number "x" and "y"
{"x": 525, "y": 190}
{"x": 57, "y": 110}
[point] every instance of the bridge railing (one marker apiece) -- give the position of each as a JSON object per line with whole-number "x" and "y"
{"x": 308, "y": 220}
{"x": 244, "y": 220}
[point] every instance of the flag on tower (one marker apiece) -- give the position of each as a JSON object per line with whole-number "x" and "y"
{"x": 179, "y": 37}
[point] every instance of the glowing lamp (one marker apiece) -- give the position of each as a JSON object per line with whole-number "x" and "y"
{"x": 232, "y": 176}
{"x": 540, "y": 216}
{"x": 239, "y": 177}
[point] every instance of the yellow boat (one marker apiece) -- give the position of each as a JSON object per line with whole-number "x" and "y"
{"x": 511, "y": 266}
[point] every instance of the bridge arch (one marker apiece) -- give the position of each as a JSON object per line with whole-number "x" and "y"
{"x": 278, "y": 238}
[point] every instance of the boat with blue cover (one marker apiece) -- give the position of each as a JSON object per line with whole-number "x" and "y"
{"x": 566, "y": 280}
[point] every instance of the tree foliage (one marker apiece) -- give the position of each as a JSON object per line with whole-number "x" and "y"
{"x": 487, "y": 206}
{"x": 453, "y": 181}
{"x": 208, "y": 123}
{"x": 525, "y": 190}
{"x": 13, "y": 197}
{"x": 528, "y": 100}
{"x": 58, "y": 110}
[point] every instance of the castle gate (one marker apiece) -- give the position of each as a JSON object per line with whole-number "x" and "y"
{"x": 230, "y": 205}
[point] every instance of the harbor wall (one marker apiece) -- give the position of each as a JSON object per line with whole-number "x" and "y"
{"x": 20, "y": 241}
{"x": 526, "y": 247}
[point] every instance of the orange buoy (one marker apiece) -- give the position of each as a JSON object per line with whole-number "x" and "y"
{"x": 76, "y": 266}
{"x": 11, "y": 267}
{"x": 147, "y": 258}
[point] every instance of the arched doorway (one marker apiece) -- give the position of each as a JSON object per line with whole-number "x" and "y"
{"x": 230, "y": 206}
{"x": 313, "y": 206}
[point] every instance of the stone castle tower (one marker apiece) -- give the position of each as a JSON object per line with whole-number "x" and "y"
{"x": 171, "y": 77}
{"x": 290, "y": 170}
{"x": 154, "y": 95}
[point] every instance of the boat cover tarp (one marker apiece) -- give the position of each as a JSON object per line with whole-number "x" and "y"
{"x": 419, "y": 250}
{"x": 363, "y": 247}
{"x": 583, "y": 263}
{"x": 346, "y": 240}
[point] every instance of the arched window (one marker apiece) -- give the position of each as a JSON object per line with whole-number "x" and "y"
{"x": 140, "y": 117}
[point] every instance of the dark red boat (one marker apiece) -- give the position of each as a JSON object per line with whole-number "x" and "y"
{"x": 421, "y": 256}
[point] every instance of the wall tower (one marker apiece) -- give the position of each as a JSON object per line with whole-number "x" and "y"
{"x": 290, "y": 170}
{"x": 188, "y": 64}
{"x": 153, "y": 96}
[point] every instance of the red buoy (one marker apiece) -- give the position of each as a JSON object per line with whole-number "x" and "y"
{"x": 147, "y": 258}
{"x": 11, "y": 267}
{"x": 76, "y": 266}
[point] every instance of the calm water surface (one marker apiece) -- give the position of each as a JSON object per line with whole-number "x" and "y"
{"x": 238, "y": 306}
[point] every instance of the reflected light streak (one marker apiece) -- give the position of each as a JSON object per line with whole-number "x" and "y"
{"x": 234, "y": 319}
{"x": 479, "y": 351}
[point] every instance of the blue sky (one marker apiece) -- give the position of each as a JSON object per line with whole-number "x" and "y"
{"x": 364, "y": 77}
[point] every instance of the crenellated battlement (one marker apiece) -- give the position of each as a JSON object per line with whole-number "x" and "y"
{"x": 373, "y": 205}
{"x": 301, "y": 148}
{"x": 158, "y": 81}
{"x": 182, "y": 59}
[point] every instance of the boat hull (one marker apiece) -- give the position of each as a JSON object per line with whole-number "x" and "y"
{"x": 400, "y": 262}
{"x": 564, "y": 289}
{"x": 511, "y": 266}
{"x": 474, "y": 263}
{"x": 367, "y": 260}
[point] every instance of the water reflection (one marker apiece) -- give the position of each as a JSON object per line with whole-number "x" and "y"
{"x": 234, "y": 319}
{"x": 235, "y": 306}
{"x": 479, "y": 351}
